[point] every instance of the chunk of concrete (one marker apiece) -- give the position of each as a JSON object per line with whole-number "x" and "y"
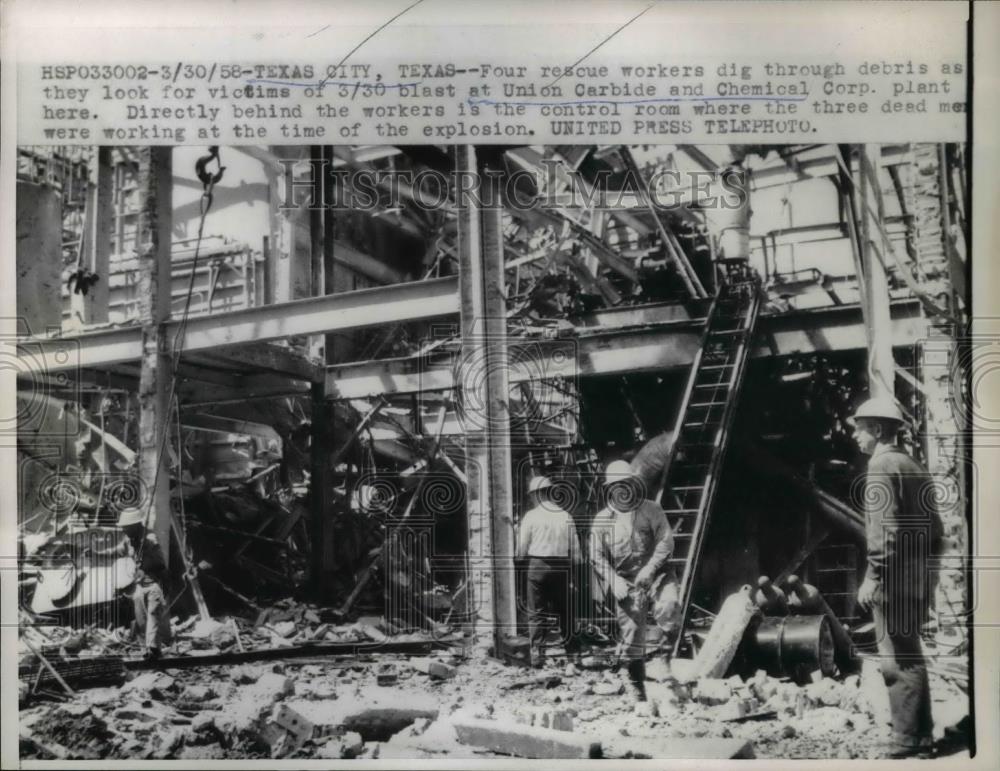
{"x": 381, "y": 712}
{"x": 244, "y": 675}
{"x": 829, "y": 719}
{"x": 155, "y": 684}
{"x": 350, "y": 745}
{"x": 712, "y": 691}
{"x": 205, "y": 628}
{"x": 311, "y": 719}
{"x": 252, "y": 701}
{"x": 525, "y": 741}
{"x": 708, "y": 748}
{"x": 558, "y": 719}
{"x": 420, "y": 664}
{"x": 683, "y": 669}
{"x": 874, "y": 695}
{"x": 440, "y": 671}
{"x": 734, "y": 709}
{"x": 658, "y": 670}
{"x": 198, "y": 693}
{"x": 101, "y": 697}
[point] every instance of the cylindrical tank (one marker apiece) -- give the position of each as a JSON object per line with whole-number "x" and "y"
{"x": 793, "y": 646}
{"x": 805, "y": 598}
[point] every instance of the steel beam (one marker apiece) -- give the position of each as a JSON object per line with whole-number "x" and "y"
{"x": 311, "y": 316}
{"x": 656, "y": 346}
{"x": 482, "y": 372}
{"x": 881, "y": 365}
{"x": 154, "y": 237}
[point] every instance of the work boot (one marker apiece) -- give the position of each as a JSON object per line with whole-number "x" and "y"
{"x": 637, "y": 679}
{"x": 918, "y": 752}
{"x": 152, "y": 654}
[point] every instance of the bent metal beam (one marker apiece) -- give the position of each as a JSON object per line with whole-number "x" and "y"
{"x": 666, "y": 338}
{"x": 656, "y": 346}
{"x": 311, "y": 316}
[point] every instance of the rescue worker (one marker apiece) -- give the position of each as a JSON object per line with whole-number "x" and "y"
{"x": 630, "y": 543}
{"x": 547, "y": 540}
{"x": 903, "y": 531}
{"x": 148, "y": 597}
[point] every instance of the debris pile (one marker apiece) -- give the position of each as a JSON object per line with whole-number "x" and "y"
{"x": 441, "y": 706}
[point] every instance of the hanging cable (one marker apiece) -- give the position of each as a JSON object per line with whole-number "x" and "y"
{"x": 208, "y": 181}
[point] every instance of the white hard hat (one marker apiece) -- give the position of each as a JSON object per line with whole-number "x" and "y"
{"x": 539, "y": 483}
{"x": 879, "y": 407}
{"x": 131, "y": 515}
{"x": 618, "y": 471}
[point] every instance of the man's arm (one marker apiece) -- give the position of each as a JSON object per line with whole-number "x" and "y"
{"x": 603, "y": 569}
{"x": 663, "y": 543}
{"x": 881, "y": 503}
{"x": 881, "y": 498}
{"x": 663, "y": 539}
{"x": 524, "y": 536}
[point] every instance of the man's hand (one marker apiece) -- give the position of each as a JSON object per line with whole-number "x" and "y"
{"x": 644, "y": 579}
{"x": 621, "y": 589}
{"x": 869, "y": 593}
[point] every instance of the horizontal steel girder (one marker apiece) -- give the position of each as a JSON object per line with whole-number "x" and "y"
{"x": 656, "y": 346}
{"x": 311, "y": 316}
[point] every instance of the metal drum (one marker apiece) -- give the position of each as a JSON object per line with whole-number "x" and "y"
{"x": 793, "y": 646}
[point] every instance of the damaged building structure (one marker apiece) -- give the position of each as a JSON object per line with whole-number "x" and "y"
{"x": 329, "y": 373}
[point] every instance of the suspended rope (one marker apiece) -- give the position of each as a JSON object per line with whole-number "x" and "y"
{"x": 208, "y": 180}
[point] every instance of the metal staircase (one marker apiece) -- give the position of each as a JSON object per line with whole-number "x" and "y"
{"x": 706, "y": 416}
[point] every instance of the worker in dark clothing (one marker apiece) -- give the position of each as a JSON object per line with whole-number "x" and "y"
{"x": 547, "y": 540}
{"x": 630, "y": 544}
{"x": 149, "y": 600}
{"x": 903, "y": 532}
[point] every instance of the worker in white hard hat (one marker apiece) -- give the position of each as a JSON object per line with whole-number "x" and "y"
{"x": 149, "y": 600}
{"x": 630, "y": 544}
{"x": 547, "y": 540}
{"x": 903, "y": 532}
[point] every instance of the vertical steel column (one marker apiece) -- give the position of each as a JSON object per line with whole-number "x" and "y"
{"x": 482, "y": 376}
{"x": 734, "y": 224}
{"x": 321, "y": 445}
{"x": 320, "y": 494}
{"x": 154, "y": 240}
{"x": 881, "y": 366}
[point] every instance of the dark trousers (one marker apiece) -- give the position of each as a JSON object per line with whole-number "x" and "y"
{"x": 904, "y": 671}
{"x": 549, "y": 588}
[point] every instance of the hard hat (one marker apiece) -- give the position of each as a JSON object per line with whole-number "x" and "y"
{"x": 131, "y": 515}
{"x": 618, "y": 471}
{"x": 879, "y": 407}
{"x": 539, "y": 483}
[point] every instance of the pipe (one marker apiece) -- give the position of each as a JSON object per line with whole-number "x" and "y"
{"x": 793, "y": 646}
{"x": 805, "y": 598}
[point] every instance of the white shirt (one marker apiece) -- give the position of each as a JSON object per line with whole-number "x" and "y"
{"x": 546, "y": 531}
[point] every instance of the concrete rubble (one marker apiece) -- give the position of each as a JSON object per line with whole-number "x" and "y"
{"x": 442, "y": 706}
